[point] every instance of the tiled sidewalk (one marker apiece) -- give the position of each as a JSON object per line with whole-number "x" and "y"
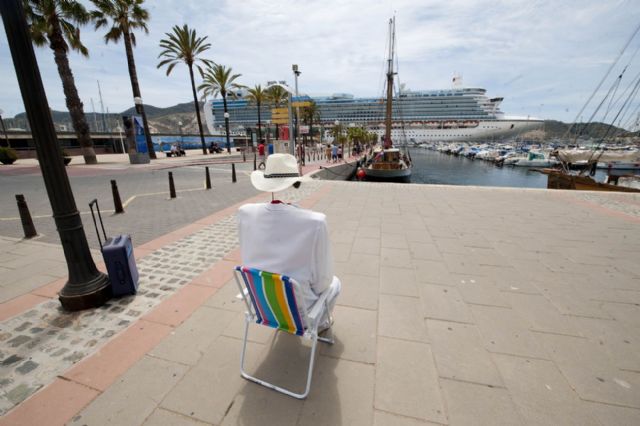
{"x": 460, "y": 305}
{"x": 44, "y": 341}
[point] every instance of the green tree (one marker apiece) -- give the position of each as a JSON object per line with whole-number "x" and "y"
{"x": 219, "y": 80}
{"x": 258, "y": 96}
{"x": 356, "y": 135}
{"x": 56, "y": 23}
{"x": 310, "y": 114}
{"x": 278, "y": 97}
{"x": 339, "y": 136}
{"x": 184, "y": 46}
{"x": 123, "y": 17}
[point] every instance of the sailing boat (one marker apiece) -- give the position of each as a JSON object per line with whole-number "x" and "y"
{"x": 387, "y": 162}
{"x": 563, "y": 179}
{"x": 587, "y": 160}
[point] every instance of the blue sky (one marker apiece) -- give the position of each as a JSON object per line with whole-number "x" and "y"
{"x": 544, "y": 57}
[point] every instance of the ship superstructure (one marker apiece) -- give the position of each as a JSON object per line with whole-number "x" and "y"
{"x": 460, "y": 113}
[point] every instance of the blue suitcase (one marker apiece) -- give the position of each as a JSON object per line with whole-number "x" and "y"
{"x": 118, "y": 256}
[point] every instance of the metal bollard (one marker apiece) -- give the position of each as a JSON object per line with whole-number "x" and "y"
{"x": 244, "y": 157}
{"x": 172, "y": 187}
{"x": 233, "y": 172}
{"x": 207, "y": 178}
{"x": 254, "y": 162}
{"x": 25, "y": 217}
{"x": 117, "y": 203}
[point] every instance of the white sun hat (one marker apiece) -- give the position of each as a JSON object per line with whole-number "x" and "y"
{"x": 280, "y": 172}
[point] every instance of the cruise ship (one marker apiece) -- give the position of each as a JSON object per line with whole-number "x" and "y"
{"x": 456, "y": 114}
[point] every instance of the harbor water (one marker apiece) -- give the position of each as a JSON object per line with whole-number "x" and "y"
{"x": 433, "y": 167}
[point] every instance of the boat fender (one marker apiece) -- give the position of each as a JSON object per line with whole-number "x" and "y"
{"x": 360, "y": 174}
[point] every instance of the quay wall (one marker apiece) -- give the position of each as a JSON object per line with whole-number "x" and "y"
{"x": 337, "y": 172}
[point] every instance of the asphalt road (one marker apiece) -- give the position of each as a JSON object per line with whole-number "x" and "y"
{"x": 149, "y": 212}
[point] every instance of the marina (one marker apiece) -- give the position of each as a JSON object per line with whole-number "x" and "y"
{"x": 601, "y": 168}
{"x": 498, "y": 283}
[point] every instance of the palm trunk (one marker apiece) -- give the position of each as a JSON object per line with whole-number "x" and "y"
{"x": 259, "y": 125}
{"x": 195, "y": 103}
{"x": 226, "y": 122}
{"x": 277, "y": 127}
{"x": 133, "y": 76}
{"x": 74, "y": 104}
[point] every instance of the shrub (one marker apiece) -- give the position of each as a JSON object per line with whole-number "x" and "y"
{"x": 8, "y": 155}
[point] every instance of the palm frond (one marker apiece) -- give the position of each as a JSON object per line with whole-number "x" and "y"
{"x": 183, "y": 44}
{"x": 122, "y": 15}
{"x": 113, "y": 34}
{"x": 74, "y": 11}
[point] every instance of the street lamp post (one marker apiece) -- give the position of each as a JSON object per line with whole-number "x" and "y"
{"x": 181, "y": 137}
{"x": 86, "y": 286}
{"x": 119, "y": 130}
{"x": 336, "y": 129}
{"x": 350, "y": 136}
{"x": 296, "y": 73}
{"x": 292, "y": 148}
{"x": 4, "y": 130}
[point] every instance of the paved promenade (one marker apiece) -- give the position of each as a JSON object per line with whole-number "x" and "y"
{"x": 460, "y": 305}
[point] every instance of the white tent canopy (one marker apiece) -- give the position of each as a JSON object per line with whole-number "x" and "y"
{"x": 580, "y": 155}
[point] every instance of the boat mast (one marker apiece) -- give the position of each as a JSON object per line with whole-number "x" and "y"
{"x": 387, "y": 121}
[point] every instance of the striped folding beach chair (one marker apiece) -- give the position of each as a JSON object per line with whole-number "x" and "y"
{"x": 271, "y": 301}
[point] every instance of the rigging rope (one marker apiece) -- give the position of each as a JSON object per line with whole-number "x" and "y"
{"x": 624, "y": 48}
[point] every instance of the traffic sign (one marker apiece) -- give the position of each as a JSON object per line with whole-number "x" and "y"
{"x": 301, "y": 104}
{"x": 279, "y": 115}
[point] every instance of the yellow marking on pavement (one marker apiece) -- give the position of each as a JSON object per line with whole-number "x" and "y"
{"x": 147, "y": 194}
{"x": 126, "y": 203}
{"x": 44, "y": 216}
{"x": 129, "y": 200}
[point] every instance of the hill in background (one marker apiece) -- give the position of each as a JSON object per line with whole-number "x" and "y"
{"x": 557, "y": 129}
{"x": 161, "y": 120}
{"x": 166, "y": 120}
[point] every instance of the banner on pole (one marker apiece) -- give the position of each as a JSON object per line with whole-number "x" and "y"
{"x": 141, "y": 140}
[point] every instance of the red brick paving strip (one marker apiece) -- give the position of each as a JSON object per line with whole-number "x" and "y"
{"x": 54, "y": 405}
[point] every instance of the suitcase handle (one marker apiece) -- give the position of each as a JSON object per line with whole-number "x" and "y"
{"x": 95, "y": 201}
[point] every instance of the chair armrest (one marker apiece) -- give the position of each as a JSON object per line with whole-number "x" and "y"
{"x": 315, "y": 313}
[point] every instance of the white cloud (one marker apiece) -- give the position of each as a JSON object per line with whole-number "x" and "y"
{"x": 533, "y": 53}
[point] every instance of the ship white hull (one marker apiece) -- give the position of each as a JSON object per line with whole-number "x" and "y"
{"x": 484, "y": 130}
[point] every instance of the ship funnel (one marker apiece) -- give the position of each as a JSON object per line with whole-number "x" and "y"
{"x": 457, "y": 81}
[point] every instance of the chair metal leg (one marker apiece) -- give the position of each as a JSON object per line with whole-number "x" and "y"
{"x": 329, "y": 340}
{"x": 271, "y": 385}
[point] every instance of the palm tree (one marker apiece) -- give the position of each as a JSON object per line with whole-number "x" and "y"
{"x": 309, "y": 114}
{"x": 258, "y": 96}
{"x": 184, "y": 46}
{"x": 53, "y": 22}
{"x": 124, "y": 16}
{"x": 217, "y": 79}
{"x": 277, "y": 96}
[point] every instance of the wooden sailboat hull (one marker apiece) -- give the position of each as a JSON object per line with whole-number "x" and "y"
{"x": 389, "y": 174}
{"x": 556, "y": 179}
